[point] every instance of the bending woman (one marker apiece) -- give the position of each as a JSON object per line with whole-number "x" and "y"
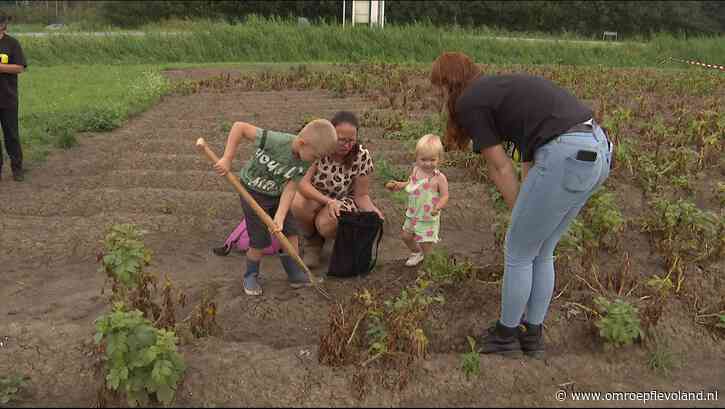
{"x": 339, "y": 182}
{"x": 565, "y": 157}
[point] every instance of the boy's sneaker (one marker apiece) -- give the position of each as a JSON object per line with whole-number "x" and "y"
{"x": 251, "y": 286}
{"x": 531, "y": 338}
{"x": 300, "y": 284}
{"x": 303, "y": 281}
{"x": 295, "y": 275}
{"x": 414, "y": 259}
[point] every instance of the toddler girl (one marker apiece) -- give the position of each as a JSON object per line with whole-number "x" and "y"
{"x": 427, "y": 191}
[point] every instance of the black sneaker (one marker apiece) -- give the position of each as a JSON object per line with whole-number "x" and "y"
{"x": 222, "y": 251}
{"x": 531, "y": 338}
{"x": 500, "y": 340}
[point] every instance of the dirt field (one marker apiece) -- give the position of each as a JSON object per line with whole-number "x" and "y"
{"x": 149, "y": 173}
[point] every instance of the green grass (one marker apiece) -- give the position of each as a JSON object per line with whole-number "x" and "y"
{"x": 182, "y": 24}
{"x": 260, "y": 40}
{"x": 57, "y": 102}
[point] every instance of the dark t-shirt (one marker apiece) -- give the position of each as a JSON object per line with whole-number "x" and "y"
{"x": 10, "y": 53}
{"x": 522, "y": 109}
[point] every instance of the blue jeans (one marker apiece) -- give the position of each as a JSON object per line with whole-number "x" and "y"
{"x": 555, "y": 190}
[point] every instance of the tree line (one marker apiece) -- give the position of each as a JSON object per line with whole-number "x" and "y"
{"x": 583, "y": 17}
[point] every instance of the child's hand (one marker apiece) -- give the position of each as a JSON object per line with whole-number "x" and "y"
{"x": 222, "y": 166}
{"x": 393, "y": 186}
{"x": 277, "y": 224}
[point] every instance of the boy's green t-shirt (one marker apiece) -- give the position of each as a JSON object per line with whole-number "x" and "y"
{"x": 273, "y": 165}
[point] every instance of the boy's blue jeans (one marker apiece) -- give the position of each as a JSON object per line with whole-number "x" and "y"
{"x": 555, "y": 190}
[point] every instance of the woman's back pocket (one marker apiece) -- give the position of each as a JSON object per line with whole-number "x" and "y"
{"x": 580, "y": 175}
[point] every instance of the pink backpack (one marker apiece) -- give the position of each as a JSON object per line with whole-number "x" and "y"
{"x": 240, "y": 238}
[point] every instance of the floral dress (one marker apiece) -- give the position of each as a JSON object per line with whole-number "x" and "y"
{"x": 335, "y": 180}
{"x": 423, "y": 195}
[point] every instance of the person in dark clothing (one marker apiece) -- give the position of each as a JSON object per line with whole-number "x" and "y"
{"x": 12, "y": 63}
{"x": 565, "y": 157}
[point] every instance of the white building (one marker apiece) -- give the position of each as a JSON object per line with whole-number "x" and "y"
{"x": 371, "y": 12}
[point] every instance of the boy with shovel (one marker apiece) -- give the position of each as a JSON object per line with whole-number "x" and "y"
{"x": 271, "y": 177}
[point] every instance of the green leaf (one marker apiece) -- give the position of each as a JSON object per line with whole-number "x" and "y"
{"x": 134, "y": 398}
{"x": 165, "y": 394}
{"x": 156, "y": 374}
{"x": 113, "y": 379}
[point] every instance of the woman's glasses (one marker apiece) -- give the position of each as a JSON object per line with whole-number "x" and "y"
{"x": 345, "y": 142}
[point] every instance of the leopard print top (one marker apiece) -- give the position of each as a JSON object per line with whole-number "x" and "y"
{"x": 334, "y": 180}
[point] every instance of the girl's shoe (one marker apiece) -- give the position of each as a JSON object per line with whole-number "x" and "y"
{"x": 414, "y": 259}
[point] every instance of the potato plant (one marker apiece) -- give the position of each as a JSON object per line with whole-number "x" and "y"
{"x": 140, "y": 362}
{"x": 619, "y": 323}
{"x": 684, "y": 230}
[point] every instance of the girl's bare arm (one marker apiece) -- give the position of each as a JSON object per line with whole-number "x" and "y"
{"x": 443, "y": 190}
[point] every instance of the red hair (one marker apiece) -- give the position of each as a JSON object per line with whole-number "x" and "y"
{"x": 453, "y": 72}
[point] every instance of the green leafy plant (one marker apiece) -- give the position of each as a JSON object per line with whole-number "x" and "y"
{"x": 625, "y": 154}
{"x": 721, "y": 321}
{"x": 502, "y": 217}
{"x": 66, "y": 139}
{"x": 386, "y": 119}
{"x": 598, "y": 225}
{"x": 661, "y": 285}
{"x": 440, "y": 267}
{"x": 471, "y": 360}
{"x": 684, "y": 230}
{"x": 140, "y": 361}
{"x": 618, "y": 117}
{"x": 388, "y": 171}
{"x": 720, "y": 191}
{"x": 619, "y": 322}
{"x": 10, "y": 387}
{"x": 123, "y": 260}
{"x": 681, "y": 181}
{"x": 661, "y": 359}
{"x": 604, "y": 219}
{"x": 225, "y": 126}
{"x": 433, "y": 123}
{"x": 124, "y": 254}
{"x": 202, "y": 320}
{"x": 377, "y": 334}
{"x": 396, "y": 326}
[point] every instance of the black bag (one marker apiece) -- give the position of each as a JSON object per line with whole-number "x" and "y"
{"x": 352, "y": 253}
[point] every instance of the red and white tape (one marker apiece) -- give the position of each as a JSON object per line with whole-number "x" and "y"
{"x": 701, "y": 64}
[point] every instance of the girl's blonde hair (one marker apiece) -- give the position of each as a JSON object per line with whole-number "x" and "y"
{"x": 429, "y": 144}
